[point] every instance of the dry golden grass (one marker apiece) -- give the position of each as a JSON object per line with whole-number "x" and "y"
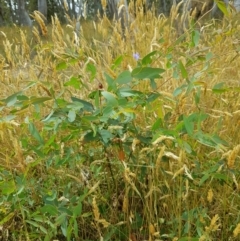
{"x": 164, "y": 193}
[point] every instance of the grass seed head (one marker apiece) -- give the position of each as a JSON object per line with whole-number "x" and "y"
{"x": 232, "y": 157}
{"x": 210, "y": 195}
{"x": 236, "y": 231}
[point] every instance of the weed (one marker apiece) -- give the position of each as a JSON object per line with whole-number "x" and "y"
{"x": 112, "y": 138}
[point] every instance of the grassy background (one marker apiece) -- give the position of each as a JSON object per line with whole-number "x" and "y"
{"x": 143, "y": 184}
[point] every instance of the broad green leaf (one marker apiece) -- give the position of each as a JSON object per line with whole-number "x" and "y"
{"x": 37, "y": 225}
{"x": 34, "y": 132}
{"x": 65, "y": 210}
{"x": 74, "y": 82}
{"x": 222, "y": 6}
{"x": 220, "y": 176}
{"x": 219, "y": 141}
{"x": 106, "y": 135}
{"x": 204, "y": 179}
{"x": 148, "y": 58}
{"x": 7, "y": 187}
{"x": 117, "y": 62}
{"x": 111, "y": 99}
{"x": 71, "y": 115}
{"x": 153, "y": 96}
{"x": 189, "y": 125}
{"x": 12, "y": 99}
{"x": 178, "y": 91}
{"x": 77, "y": 210}
{"x": 209, "y": 56}
{"x": 219, "y": 88}
{"x": 92, "y": 69}
{"x": 157, "y": 124}
{"x": 75, "y": 227}
{"x": 205, "y": 140}
{"x": 87, "y": 106}
{"x": 23, "y": 97}
{"x": 190, "y": 87}
{"x": 61, "y": 66}
{"x": 38, "y": 100}
{"x": 197, "y": 96}
{"x": 50, "y": 209}
{"x": 60, "y": 219}
{"x": 90, "y": 137}
{"x": 111, "y": 82}
{"x": 76, "y": 106}
{"x": 183, "y": 70}
{"x": 97, "y": 99}
{"x": 187, "y": 147}
{"x": 195, "y": 38}
{"x": 129, "y": 92}
{"x": 147, "y": 73}
{"x": 153, "y": 84}
{"x": 124, "y": 78}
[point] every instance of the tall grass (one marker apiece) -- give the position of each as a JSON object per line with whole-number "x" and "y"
{"x": 161, "y": 165}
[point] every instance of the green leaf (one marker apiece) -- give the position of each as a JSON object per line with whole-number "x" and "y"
{"x": 178, "y": 90}
{"x": 38, "y": 100}
{"x": 219, "y": 141}
{"x": 92, "y": 69}
{"x": 222, "y": 6}
{"x": 75, "y": 227}
{"x": 147, "y": 73}
{"x": 71, "y": 115}
{"x": 129, "y": 92}
{"x": 111, "y": 99}
{"x": 7, "y": 187}
{"x": 87, "y": 106}
{"x": 195, "y": 38}
{"x": 220, "y": 176}
{"x": 61, "y": 66}
{"x": 219, "y": 88}
{"x": 153, "y": 96}
{"x": 124, "y": 78}
{"x": 187, "y": 147}
{"x": 205, "y": 139}
{"x": 153, "y": 84}
{"x": 50, "y": 209}
{"x": 197, "y": 96}
{"x": 117, "y": 62}
{"x": 34, "y": 132}
{"x": 183, "y": 70}
{"x": 106, "y": 135}
{"x": 148, "y": 58}
{"x": 12, "y": 99}
{"x": 90, "y": 137}
{"x": 74, "y": 82}
{"x": 189, "y": 126}
{"x": 111, "y": 82}
{"x": 37, "y": 225}
{"x": 204, "y": 179}
{"x": 77, "y": 210}
{"x": 60, "y": 219}
{"x": 157, "y": 124}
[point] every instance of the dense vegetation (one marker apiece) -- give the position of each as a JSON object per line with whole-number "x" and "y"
{"x": 111, "y": 138}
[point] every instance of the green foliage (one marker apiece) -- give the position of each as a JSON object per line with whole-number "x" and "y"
{"x": 84, "y": 157}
